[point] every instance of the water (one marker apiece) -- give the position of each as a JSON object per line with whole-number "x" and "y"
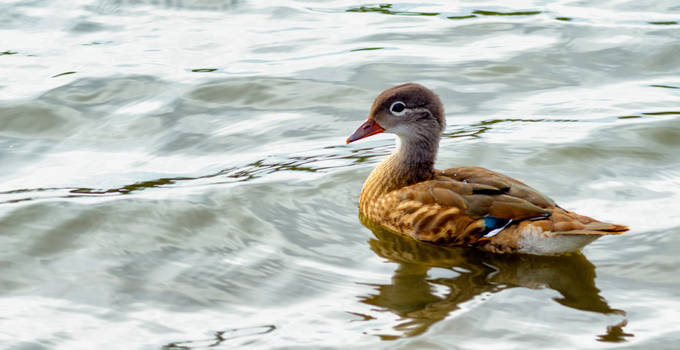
{"x": 174, "y": 173}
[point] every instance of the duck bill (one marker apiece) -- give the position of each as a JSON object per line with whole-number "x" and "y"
{"x": 368, "y": 128}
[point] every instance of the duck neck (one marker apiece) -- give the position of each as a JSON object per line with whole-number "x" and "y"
{"x": 412, "y": 162}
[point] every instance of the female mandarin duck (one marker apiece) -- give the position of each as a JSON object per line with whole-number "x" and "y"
{"x": 467, "y": 206}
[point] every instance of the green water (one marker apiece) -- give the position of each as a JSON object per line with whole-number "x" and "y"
{"x": 174, "y": 173}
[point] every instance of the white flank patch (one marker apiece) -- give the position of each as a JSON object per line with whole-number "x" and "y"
{"x": 534, "y": 241}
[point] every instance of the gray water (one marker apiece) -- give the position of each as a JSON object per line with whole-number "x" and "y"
{"x": 174, "y": 173}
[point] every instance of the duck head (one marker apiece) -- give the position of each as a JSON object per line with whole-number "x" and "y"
{"x": 408, "y": 110}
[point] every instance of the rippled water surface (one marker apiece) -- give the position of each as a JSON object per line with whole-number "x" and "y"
{"x": 174, "y": 173}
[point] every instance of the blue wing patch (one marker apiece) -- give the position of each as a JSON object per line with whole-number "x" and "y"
{"x": 494, "y": 225}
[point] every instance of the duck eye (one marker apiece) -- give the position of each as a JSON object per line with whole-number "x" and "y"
{"x": 398, "y": 108}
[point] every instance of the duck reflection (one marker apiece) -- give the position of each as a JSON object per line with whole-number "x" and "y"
{"x": 421, "y": 299}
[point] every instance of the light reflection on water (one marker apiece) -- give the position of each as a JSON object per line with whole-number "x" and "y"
{"x": 175, "y": 174}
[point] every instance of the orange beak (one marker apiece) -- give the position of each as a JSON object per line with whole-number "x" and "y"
{"x": 368, "y": 128}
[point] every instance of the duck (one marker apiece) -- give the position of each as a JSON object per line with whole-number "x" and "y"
{"x": 461, "y": 206}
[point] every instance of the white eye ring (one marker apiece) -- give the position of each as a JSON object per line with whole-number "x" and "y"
{"x": 398, "y": 108}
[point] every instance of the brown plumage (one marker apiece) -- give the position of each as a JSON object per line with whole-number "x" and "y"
{"x": 468, "y": 206}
